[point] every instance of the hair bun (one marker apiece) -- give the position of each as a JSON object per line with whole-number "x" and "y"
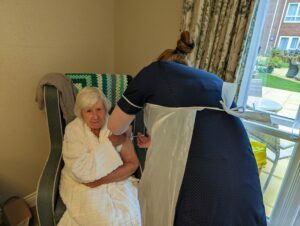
{"x": 185, "y": 44}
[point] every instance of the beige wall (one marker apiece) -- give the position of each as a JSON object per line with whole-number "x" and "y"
{"x": 143, "y": 29}
{"x": 39, "y": 37}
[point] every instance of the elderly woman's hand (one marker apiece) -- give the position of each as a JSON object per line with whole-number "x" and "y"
{"x": 93, "y": 184}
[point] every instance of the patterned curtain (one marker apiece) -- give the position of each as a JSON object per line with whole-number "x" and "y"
{"x": 219, "y": 29}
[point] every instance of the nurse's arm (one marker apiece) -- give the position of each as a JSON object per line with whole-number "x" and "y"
{"x": 119, "y": 121}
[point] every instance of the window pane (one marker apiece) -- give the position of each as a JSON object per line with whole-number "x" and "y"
{"x": 290, "y": 19}
{"x": 292, "y": 10}
{"x": 298, "y": 13}
{"x": 283, "y": 43}
{"x": 294, "y": 43}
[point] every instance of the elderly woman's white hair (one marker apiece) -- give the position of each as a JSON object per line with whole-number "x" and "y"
{"x": 87, "y": 97}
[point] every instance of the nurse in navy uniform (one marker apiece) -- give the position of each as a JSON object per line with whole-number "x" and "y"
{"x": 200, "y": 169}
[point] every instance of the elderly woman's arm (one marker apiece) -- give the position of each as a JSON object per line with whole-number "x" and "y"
{"x": 130, "y": 165}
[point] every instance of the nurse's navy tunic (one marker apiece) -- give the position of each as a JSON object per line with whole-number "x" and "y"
{"x": 200, "y": 169}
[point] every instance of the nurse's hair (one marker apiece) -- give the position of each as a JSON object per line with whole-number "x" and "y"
{"x": 87, "y": 97}
{"x": 185, "y": 45}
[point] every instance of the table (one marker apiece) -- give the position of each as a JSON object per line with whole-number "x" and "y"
{"x": 264, "y": 104}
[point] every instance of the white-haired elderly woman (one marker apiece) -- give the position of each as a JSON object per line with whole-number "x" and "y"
{"x": 95, "y": 181}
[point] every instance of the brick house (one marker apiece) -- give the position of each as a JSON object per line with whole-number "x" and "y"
{"x": 282, "y": 26}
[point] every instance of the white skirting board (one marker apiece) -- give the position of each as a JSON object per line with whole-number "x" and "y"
{"x": 31, "y": 199}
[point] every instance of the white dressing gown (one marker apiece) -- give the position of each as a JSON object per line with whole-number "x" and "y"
{"x": 88, "y": 158}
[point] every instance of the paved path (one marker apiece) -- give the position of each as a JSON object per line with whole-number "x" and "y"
{"x": 289, "y": 100}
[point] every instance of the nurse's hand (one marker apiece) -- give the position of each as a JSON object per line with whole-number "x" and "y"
{"x": 143, "y": 141}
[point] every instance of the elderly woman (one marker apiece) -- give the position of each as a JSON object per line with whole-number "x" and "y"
{"x": 95, "y": 184}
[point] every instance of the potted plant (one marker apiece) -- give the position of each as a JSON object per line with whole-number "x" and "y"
{"x": 293, "y": 57}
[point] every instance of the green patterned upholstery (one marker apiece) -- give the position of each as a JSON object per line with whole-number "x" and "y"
{"x": 112, "y": 85}
{"x": 50, "y": 207}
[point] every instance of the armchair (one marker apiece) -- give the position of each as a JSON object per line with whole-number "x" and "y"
{"x": 50, "y": 207}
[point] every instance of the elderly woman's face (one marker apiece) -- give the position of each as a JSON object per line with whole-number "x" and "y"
{"x": 94, "y": 116}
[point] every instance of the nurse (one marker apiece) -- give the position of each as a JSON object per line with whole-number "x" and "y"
{"x": 200, "y": 169}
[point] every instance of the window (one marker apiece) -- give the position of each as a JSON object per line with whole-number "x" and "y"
{"x": 294, "y": 43}
{"x": 286, "y": 42}
{"x": 283, "y": 43}
{"x": 266, "y": 88}
{"x": 293, "y": 13}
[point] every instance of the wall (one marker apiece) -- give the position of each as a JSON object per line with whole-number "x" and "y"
{"x": 272, "y": 14}
{"x": 277, "y": 23}
{"x": 143, "y": 29}
{"x": 38, "y": 37}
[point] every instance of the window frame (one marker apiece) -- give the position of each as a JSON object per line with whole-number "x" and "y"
{"x": 286, "y": 210}
{"x": 297, "y": 15}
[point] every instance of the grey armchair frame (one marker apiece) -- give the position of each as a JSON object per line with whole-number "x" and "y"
{"x": 49, "y": 205}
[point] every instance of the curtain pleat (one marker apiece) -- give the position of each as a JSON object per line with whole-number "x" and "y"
{"x": 219, "y": 29}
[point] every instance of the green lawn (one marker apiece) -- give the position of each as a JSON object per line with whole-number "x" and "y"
{"x": 279, "y": 83}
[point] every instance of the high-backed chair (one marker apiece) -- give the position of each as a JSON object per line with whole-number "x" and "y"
{"x": 50, "y": 207}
